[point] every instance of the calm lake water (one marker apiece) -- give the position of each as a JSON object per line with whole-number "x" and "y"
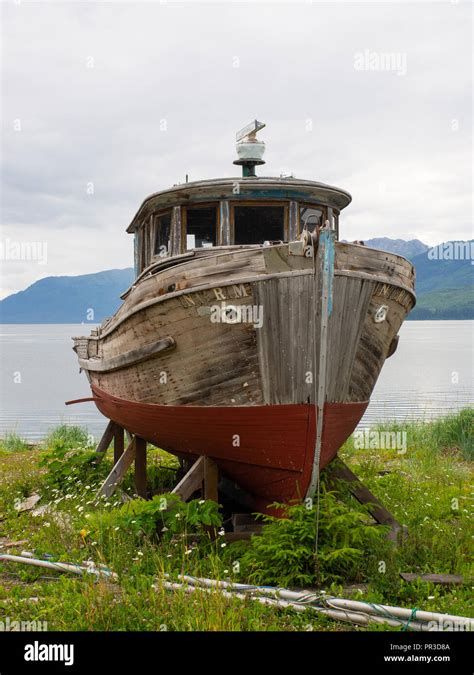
{"x": 431, "y": 374}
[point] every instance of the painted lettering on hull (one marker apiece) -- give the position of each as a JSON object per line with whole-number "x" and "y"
{"x": 200, "y": 298}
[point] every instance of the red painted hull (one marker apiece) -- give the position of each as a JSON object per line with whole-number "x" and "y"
{"x": 267, "y": 450}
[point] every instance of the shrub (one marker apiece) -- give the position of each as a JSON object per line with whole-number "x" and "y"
{"x": 284, "y": 554}
{"x": 65, "y": 466}
{"x": 165, "y": 515}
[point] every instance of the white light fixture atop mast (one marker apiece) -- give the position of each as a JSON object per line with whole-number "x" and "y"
{"x": 249, "y": 149}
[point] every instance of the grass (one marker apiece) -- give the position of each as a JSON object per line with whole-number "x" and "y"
{"x": 428, "y": 488}
{"x": 68, "y": 436}
{"x": 13, "y": 443}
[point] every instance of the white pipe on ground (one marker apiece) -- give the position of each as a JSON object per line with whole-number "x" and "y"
{"x": 241, "y": 596}
{"x": 58, "y": 566}
{"x": 339, "y": 615}
{"x": 401, "y": 612}
{"x": 340, "y": 603}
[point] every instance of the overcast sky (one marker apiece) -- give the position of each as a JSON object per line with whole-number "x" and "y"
{"x": 125, "y": 98}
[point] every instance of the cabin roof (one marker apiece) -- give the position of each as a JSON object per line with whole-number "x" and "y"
{"x": 249, "y": 188}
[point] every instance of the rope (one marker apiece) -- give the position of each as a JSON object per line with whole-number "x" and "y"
{"x": 379, "y": 611}
{"x": 411, "y": 618}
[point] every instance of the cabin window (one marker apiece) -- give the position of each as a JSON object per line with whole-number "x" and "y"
{"x": 258, "y": 224}
{"x": 162, "y": 245}
{"x": 201, "y": 227}
{"x": 311, "y": 217}
{"x": 143, "y": 246}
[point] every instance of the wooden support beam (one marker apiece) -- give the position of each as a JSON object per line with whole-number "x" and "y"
{"x": 192, "y": 481}
{"x": 211, "y": 479}
{"x": 246, "y": 522}
{"x": 106, "y": 440}
{"x": 119, "y": 443}
{"x": 210, "y": 489}
{"x": 230, "y": 537}
{"x": 202, "y": 475}
{"x": 364, "y": 496}
{"x": 118, "y": 472}
{"x": 140, "y": 467}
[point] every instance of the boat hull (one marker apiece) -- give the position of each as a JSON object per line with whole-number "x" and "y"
{"x": 268, "y": 451}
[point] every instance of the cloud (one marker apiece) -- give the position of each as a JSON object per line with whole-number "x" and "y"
{"x": 130, "y": 97}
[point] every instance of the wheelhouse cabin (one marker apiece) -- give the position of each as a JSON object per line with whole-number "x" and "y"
{"x": 231, "y": 212}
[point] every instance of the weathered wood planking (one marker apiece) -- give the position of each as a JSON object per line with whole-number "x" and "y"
{"x": 213, "y": 360}
{"x": 351, "y": 300}
{"x": 128, "y": 358}
{"x": 241, "y": 364}
{"x": 284, "y": 343}
{"x": 221, "y": 267}
{"x": 375, "y": 340}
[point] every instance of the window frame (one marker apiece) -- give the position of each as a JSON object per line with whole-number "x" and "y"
{"x": 154, "y": 227}
{"x": 311, "y": 205}
{"x": 336, "y": 213}
{"x": 261, "y": 204}
{"x": 143, "y": 233}
{"x": 184, "y": 222}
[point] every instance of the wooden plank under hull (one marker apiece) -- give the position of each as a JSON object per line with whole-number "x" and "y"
{"x": 267, "y": 450}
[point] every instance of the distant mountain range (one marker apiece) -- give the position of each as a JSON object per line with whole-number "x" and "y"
{"x": 444, "y": 287}
{"x": 408, "y": 249}
{"x": 87, "y": 298}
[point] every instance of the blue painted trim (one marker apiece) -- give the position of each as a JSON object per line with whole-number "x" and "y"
{"x": 326, "y": 239}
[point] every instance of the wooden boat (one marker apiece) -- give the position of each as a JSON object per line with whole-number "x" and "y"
{"x": 251, "y": 334}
